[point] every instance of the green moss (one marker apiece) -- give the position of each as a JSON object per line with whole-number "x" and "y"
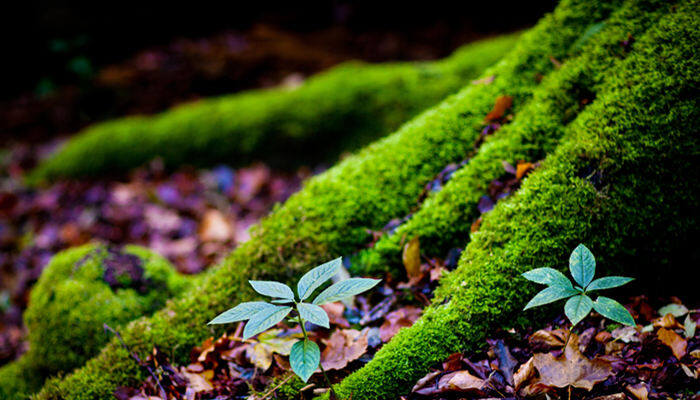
{"x": 332, "y": 213}
{"x": 617, "y": 184}
{"x": 444, "y": 218}
{"x": 335, "y": 111}
{"x": 80, "y": 290}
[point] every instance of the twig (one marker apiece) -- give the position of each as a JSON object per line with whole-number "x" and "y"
{"x": 276, "y": 387}
{"x": 136, "y": 358}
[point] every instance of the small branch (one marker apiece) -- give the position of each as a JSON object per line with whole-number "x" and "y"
{"x": 136, "y": 358}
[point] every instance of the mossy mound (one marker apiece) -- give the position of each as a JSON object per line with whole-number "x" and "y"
{"x": 332, "y": 214}
{"x": 616, "y": 183}
{"x": 339, "y": 110}
{"x": 80, "y": 290}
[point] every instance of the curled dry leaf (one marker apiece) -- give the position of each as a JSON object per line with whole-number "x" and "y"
{"x": 668, "y": 321}
{"x": 395, "y": 320}
{"x": 626, "y": 334}
{"x": 674, "y": 341}
{"x": 503, "y": 103}
{"x": 547, "y": 340}
{"x": 344, "y": 346}
{"x": 571, "y": 368}
{"x": 639, "y": 391}
{"x": 462, "y": 381}
{"x": 523, "y": 374}
{"x": 411, "y": 258}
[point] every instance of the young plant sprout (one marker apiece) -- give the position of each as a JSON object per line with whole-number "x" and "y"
{"x": 582, "y": 267}
{"x": 305, "y": 355}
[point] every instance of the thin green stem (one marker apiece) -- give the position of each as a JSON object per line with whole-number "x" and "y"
{"x": 306, "y": 337}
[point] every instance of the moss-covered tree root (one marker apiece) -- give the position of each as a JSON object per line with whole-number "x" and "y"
{"x": 80, "y": 290}
{"x": 620, "y": 186}
{"x": 336, "y": 111}
{"x": 444, "y": 219}
{"x": 331, "y": 215}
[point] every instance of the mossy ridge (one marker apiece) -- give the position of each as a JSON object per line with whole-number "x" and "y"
{"x": 444, "y": 218}
{"x": 331, "y": 214}
{"x": 339, "y": 110}
{"x": 78, "y": 292}
{"x": 640, "y": 135}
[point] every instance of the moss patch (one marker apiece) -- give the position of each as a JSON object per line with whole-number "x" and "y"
{"x": 80, "y": 290}
{"x": 336, "y": 111}
{"x": 638, "y": 215}
{"x": 331, "y": 215}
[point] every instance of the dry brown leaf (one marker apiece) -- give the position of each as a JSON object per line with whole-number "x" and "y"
{"x": 571, "y": 368}
{"x": 499, "y": 109}
{"x": 522, "y": 169}
{"x": 335, "y": 314}
{"x": 395, "y": 320}
{"x": 524, "y": 374}
{"x": 200, "y": 382}
{"x": 411, "y": 258}
{"x": 422, "y": 382}
{"x": 616, "y": 396}
{"x": 462, "y": 381}
{"x": 215, "y": 227}
{"x": 626, "y": 334}
{"x": 344, "y": 346}
{"x": 674, "y": 341}
{"x": 668, "y": 321}
{"x": 639, "y": 391}
{"x": 545, "y": 340}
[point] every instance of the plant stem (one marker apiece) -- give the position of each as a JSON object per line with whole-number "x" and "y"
{"x": 328, "y": 381}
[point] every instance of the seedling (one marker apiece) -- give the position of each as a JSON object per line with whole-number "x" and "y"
{"x": 305, "y": 355}
{"x": 582, "y": 267}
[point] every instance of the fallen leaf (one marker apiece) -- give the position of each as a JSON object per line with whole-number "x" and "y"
{"x": 522, "y": 169}
{"x": 462, "y": 381}
{"x": 689, "y": 326}
{"x": 546, "y": 340}
{"x": 411, "y": 258}
{"x": 674, "y": 341}
{"x": 395, "y": 320}
{"x": 503, "y": 103}
{"x": 668, "y": 321}
{"x": 616, "y": 396}
{"x": 571, "y": 368}
{"x": 677, "y": 310}
{"x": 268, "y": 343}
{"x": 523, "y": 374}
{"x": 626, "y": 334}
{"x": 424, "y": 381}
{"x": 335, "y": 314}
{"x": 506, "y": 362}
{"x": 200, "y": 382}
{"x": 344, "y": 346}
{"x": 215, "y": 227}
{"x": 639, "y": 391}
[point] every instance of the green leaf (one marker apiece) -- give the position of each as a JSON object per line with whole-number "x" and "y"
{"x": 240, "y": 312}
{"x": 304, "y": 358}
{"x": 613, "y": 310}
{"x": 677, "y": 310}
{"x": 582, "y": 265}
{"x": 577, "y": 307}
{"x": 547, "y": 276}
{"x": 346, "y": 288}
{"x": 315, "y": 278}
{"x": 550, "y": 295}
{"x": 608, "y": 282}
{"x": 265, "y": 319}
{"x": 689, "y": 326}
{"x": 314, "y": 314}
{"x": 273, "y": 289}
{"x": 282, "y": 301}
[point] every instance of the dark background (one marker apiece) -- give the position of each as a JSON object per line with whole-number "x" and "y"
{"x": 51, "y": 40}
